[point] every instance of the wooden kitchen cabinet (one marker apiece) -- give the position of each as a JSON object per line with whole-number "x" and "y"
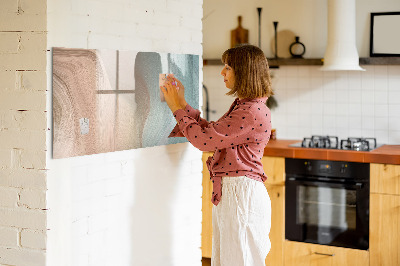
{"x": 385, "y": 178}
{"x": 305, "y": 254}
{"x": 274, "y": 168}
{"x": 384, "y": 236}
{"x": 277, "y": 233}
{"x": 206, "y": 225}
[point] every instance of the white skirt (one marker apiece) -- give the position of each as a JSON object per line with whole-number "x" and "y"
{"x": 241, "y": 223}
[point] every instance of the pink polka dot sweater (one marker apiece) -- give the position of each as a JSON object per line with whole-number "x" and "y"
{"x": 238, "y": 139}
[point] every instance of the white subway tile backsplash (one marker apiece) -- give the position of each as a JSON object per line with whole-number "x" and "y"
{"x": 329, "y": 109}
{"x": 382, "y": 136}
{"x": 292, "y": 83}
{"x": 380, "y": 84}
{"x": 394, "y": 123}
{"x": 278, "y": 83}
{"x": 304, "y": 72}
{"x": 346, "y": 101}
{"x": 317, "y": 131}
{"x": 368, "y": 110}
{"x": 367, "y": 96}
{"x": 355, "y": 132}
{"x": 291, "y": 71}
{"x": 316, "y": 82}
{"x": 381, "y": 110}
{"x": 303, "y": 82}
{"x": 328, "y": 74}
{"x": 293, "y": 120}
{"x": 342, "y": 133}
{"x": 380, "y": 71}
{"x": 329, "y": 93}
{"x": 342, "y": 80}
{"x": 394, "y": 137}
{"x": 394, "y": 83}
{"x": 394, "y": 97}
{"x": 342, "y": 96}
{"x": 329, "y": 123}
{"x": 304, "y": 109}
{"x": 355, "y": 122}
{"x": 368, "y": 123}
{"x": 354, "y": 80}
{"x": 382, "y": 123}
{"x": 369, "y": 71}
{"x": 393, "y": 71}
{"x": 342, "y": 122}
{"x": 367, "y": 133}
{"x": 381, "y": 97}
{"x": 342, "y": 109}
{"x": 305, "y": 95}
{"x": 355, "y": 96}
{"x": 394, "y": 110}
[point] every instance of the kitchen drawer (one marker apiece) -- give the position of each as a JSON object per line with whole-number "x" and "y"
{"x": 274, "y": 168}
{"x": 385, "y": 178}
{"x": 305, "y": 254}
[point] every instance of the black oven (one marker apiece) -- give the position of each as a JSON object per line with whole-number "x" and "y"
{"x": 327, "y": 202}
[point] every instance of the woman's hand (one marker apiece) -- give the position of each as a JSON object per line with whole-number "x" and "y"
{"x": 172, "y": 94}
{"x": 181, "y": 92}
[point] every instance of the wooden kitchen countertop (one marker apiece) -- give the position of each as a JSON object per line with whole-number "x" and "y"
{"x": 389, "y": 154}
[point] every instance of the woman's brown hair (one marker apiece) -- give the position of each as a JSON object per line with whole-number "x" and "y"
{"x": 250, "y": 66}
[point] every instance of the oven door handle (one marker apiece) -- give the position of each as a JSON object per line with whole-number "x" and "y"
{"x": 357, "y": 185}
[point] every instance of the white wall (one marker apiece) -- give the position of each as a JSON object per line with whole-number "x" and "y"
{"x": 311, "y": 102}
{"x": 305, "y": 18}
{"x": 134, "y": 207}
{"x": 23, "y": 133}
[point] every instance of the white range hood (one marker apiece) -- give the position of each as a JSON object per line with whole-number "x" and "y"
{"x": 341, "y": 51}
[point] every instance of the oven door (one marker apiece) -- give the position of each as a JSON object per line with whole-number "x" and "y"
{"x": 327, "y": 213}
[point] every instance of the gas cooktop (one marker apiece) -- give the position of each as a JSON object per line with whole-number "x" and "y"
{"x": 332, "y": 142}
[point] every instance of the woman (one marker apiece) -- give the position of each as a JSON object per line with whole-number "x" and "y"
{"x": 242, "y": 207}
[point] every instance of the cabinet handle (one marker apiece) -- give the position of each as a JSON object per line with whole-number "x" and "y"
{"x": 325, "y": 254}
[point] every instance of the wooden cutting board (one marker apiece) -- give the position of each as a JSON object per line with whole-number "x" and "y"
{"x": 239, "y": 35}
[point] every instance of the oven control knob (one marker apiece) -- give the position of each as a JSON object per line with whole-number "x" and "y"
{"x": 308, "y": 166}
{"x": 343, "y": 168}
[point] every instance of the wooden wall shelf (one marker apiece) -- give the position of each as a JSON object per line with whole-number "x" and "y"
{"x": 380, "y": 61}
{"x": 274, "y": 63}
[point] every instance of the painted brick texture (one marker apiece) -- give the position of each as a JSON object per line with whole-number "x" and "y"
{"x": 135, "y": 207}
{"x": 23, "y": 218}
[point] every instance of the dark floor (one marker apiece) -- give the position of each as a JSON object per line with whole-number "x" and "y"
{"x": 206, "y": 261}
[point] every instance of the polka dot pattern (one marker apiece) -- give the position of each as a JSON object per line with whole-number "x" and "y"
{"x": 238, "y": 139}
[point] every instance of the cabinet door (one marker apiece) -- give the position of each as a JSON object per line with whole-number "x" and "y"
{"x": 274, "y": 168}
{"x": 206, "y": 232}
{"x": 384, "y": 229}
{"x": 277, "y": 233}
{"x": 385, "y": 178}
{"x": 305, "y": 254}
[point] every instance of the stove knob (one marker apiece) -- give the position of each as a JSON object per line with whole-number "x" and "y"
{"x": 343, "y": 168}
{"x": 308, "y": 166}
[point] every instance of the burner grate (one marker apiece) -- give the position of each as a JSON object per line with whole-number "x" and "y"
{"x": 327, "y": 142}
{"x": 332, "y": 142}
{"x": 358, "y": 144}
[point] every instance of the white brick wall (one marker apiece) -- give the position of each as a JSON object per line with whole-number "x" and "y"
{"x": 23, "y": 132}
{"x": 134, "y": 207}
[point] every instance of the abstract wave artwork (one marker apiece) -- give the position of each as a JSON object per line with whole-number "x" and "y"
{"x": 109, "y": 100}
